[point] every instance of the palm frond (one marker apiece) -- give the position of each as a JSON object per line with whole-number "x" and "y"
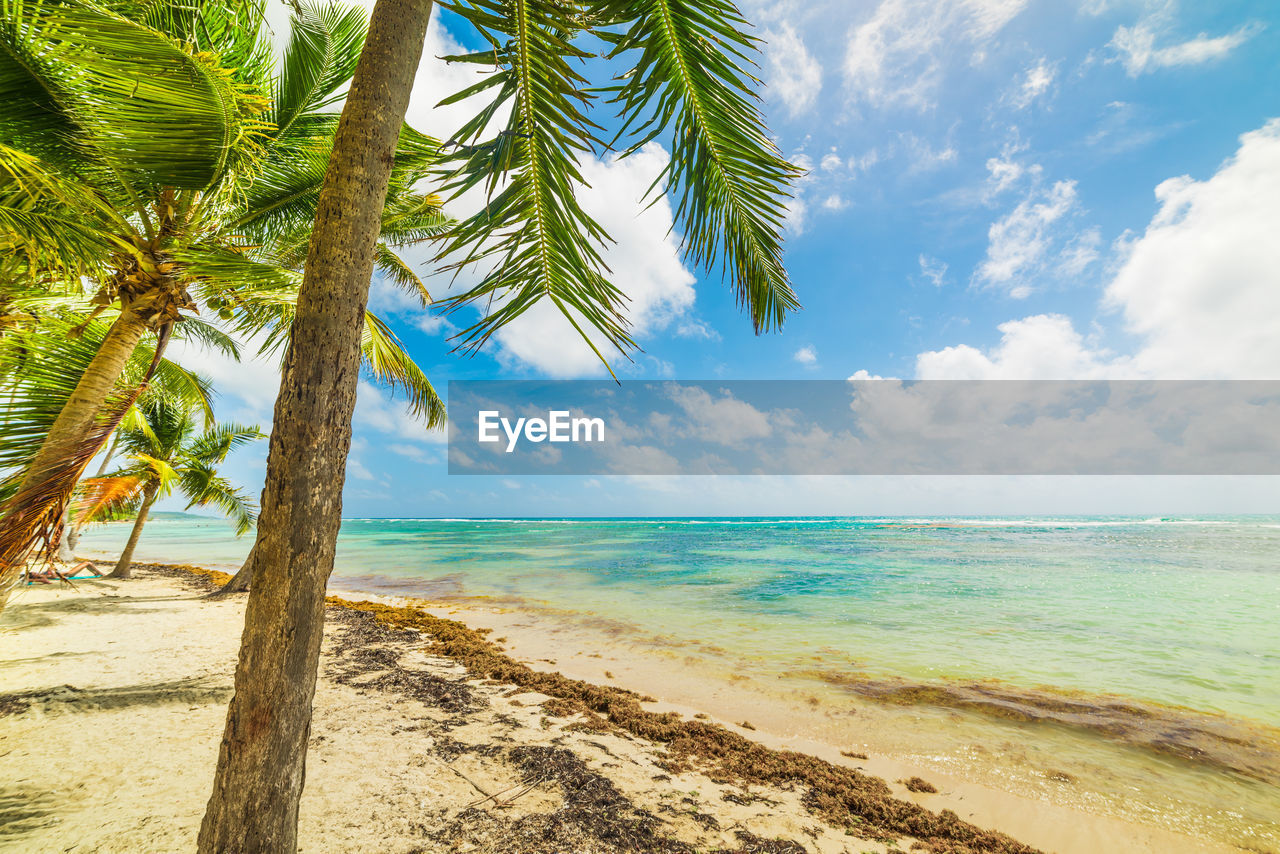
{"x": 691, "y": 81}
{"x": 387, "y": 361}
{"x": 397, "y": 271}
{"x": 195, "y": 391}
{"x": 161, "y": 473}
{"x": 207, "y": 336}
{"x": 410, "y": 218}
{"x": 230, "y": 29}
{"x": 39, "y": 369}
{"x": 102, "y": 498}
{"x": 31, "y": 520}
{"x": 204, "y": 487}
{"x": 41, "y": 366}
{"x": 324, "y": 45}
{"x": 534, "y": 237}
{"x": 119, "y": 91}
{"x": 54, "y": 218}
{"x": 212, "y": 446}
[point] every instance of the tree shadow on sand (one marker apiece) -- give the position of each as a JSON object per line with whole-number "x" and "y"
{"x": 68, "y": 698}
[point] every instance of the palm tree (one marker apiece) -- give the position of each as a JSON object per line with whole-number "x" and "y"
{"x": 156, "y": 154}
{"x": 43, "y": 353}
{"x": 166, "y": 451}
{"x": 42, "y": 357}
{"x": 685, "y": 77}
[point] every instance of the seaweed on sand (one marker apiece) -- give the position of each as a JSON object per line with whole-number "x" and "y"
{"x": 196, "y": 577}
{"x": 841, "y": 796}
{"x": 919, "y": 785}
{"x": 593, "y": 816}
{"x": 364, "y": 658}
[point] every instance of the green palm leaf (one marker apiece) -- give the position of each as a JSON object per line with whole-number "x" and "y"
{"x": 324, "y": 45}
{"x": 212, "y": 446}
{"x": 690, "y": 80}
{"x": 386, "y": 360}
{"x": 203, "y": 487}
{"x": 52, "y": 218}
{"x": 398, "y": 272}
{"x": 533, "y": 236}
{"x": 40, "y": 367}
{"x": 120, "y": 92}
{"x": 166, "y": 453}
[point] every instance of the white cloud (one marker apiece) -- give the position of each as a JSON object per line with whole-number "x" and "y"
{"x": 797, "y": 215}
{"x": 1020, "y": 240}
{"x": 819, "y": 190}
{"x": 358, "y": 470}
{"x": 1200, "y": 285}
{"x": 376, "y": 410}
{"x": 437, "y": 80}
{"x": 1043, "y": 347}
{"x": 723, "y": 418}
{"x": 645, "y": 263}
{"x": 1035, "y": 83}
{"x": 1136, "y": 48}
{"x": 897, "y": 55}
{"x": 865, "y": 162}
{"x": 1197, "y": 289}
{"x": 1003, "y": 173}
{"x": 1080, "y": 253}
{"x": 245, "y": 390}
{"x": 413, "y": 452}
{"x": 793, "y": 75}
{"x": 933, "y": 270}
{"x": 835, "y": 202}
{"x": 806, "y": 355}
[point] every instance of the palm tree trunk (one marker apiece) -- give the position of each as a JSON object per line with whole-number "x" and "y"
{"x": 124, "y": 566}
{"x": 84, "y": 404}
{"x": 67, "y": 542}
{"x": 69, "y": 429}
{"x": 73, "y": 527}
{"x": 239, "y": 582}
{"x": 262, "y": 760}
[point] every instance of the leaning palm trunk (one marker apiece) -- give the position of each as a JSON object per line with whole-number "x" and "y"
{"x": 91, "y": 393}
{"x": 124, "y": 566}
{"x": 73, "y": 525}
{"x": 239, "y": 582}
{"x": 67, "y": 543}
{"x": 262, "y": 759}
{"x": 34, "y": 526}
{"x": 33, "y": 516}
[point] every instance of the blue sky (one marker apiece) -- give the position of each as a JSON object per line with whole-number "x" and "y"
{"x": 995, "y": 189}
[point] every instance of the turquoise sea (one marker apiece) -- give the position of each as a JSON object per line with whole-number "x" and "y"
{"x": 1158, "y": 639}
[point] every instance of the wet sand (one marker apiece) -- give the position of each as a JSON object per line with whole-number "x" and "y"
{"x": 412, "y": 752}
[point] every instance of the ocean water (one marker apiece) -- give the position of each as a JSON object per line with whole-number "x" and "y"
{"x": 1124, "y": 647}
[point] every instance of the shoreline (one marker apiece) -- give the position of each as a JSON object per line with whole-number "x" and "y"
{"x": 1042, "y": 806}
{"x": 534, "y": 647}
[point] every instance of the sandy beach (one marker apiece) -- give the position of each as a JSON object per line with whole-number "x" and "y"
{"x": 428, "y": 736}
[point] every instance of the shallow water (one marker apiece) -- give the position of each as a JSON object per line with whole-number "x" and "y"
{"x": 1124, "y": 654}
